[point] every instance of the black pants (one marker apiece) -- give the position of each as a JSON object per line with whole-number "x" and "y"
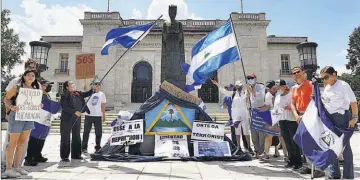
{"x": 66, "y": 127}
{"x": 34, "y": 149}
{"x": 288, "y": 130}
{"x": 97, "y": 121}
{"x": 246, "y": 145}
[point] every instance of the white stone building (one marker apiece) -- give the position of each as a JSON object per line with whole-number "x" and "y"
{"x": 137, "y": 75}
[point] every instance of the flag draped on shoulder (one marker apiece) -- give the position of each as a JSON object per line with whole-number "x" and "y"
{"x": 49, "y": 109}
{"x": 125, "y": 36}
{"x": 213, "y": 51}
{"x": 318, "y": 138}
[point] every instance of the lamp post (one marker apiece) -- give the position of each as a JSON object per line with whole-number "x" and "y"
{"x": 39, "y": 52}
{"x": 307, "y": 56}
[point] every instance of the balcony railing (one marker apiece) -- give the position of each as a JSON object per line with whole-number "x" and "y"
{"x": 285, "y": 72}
{"x": 62, "y": 71}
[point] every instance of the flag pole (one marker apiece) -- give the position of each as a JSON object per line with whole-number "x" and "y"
{"x": 243, "y": 68}
{"x": 128, "y": 49}
{"x": 312, "y": 171}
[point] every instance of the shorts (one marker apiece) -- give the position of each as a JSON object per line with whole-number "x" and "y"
{"x": 243, "y": 126}
{"x": 18, "y": 126}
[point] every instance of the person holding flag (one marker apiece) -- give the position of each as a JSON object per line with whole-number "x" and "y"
{"x": 337, "y": 98}
{"x": 41, "y": 131}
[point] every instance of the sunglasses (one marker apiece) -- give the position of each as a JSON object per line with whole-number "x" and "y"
{"x": 296, "y": 72}
{"x": 250, "y": 78}
{"x": 325, "y": 78}
{"x": 96, "y": 84}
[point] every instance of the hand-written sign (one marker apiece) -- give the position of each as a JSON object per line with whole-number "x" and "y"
{"x": 172, "y": 146}
{"x": 85, "y": 66}
{"x": 208, "y": 131}
{"x": 28, "y": 102}
{"x": 129, "y": 131}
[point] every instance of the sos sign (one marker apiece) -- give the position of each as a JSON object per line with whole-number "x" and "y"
{"x": 85, "y": 66}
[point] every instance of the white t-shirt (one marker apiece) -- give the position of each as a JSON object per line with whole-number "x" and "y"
{"x": 239, "y": 110}
{"x": 280, "y": 103}
{"x": 337, "y": 98}
{"x": 94, "y": 104}
{"x": 257, "y": 100}
{"x": 269, "y": 99}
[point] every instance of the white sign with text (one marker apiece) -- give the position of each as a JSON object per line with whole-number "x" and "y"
{"x": 28, "y": 103}
{"x": 208, "y": 131}
{"x": 172, "y": 146}
{"x": 129, "y": 131}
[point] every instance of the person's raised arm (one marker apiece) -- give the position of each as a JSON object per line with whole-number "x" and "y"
{"x": 222, "y": 90}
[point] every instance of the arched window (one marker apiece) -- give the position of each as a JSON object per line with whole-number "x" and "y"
{"x": 209, "y": 92}
{"x": 141, "y": 86}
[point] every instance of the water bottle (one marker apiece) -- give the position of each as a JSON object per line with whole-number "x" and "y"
{"x": 222, "y": 107}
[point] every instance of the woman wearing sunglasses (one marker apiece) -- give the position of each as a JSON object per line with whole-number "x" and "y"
{"x": 337, "y": 98}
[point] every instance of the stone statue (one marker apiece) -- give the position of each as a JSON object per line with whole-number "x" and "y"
{"x": 172, "y": 52}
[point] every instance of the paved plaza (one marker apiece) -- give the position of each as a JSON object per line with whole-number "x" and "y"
{"x": 86, "y": 169}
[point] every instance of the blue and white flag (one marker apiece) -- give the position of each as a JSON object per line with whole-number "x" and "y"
{"x": 213, "y": 51}
{"x": 49, "y": 109}
{"x": 272, "y": 117}
{"x": 317, "y": 136}
{"x": 125, "y": 36}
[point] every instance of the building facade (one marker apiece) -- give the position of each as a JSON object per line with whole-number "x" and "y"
{"x": 136, "y": 76}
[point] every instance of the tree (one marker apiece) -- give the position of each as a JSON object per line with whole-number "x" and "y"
{"x": 354, "y": 52}
{"x": 6, "y": 80}
{"x": 11, "y": 47}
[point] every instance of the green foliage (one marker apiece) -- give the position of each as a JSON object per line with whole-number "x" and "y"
{"x": 354, "y": 52}
{"x": 11, "y": 46}
{"x": 171, "y": 123}
{"x": 5, "y": 80}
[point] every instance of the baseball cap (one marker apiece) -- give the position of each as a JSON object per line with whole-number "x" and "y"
{"x": 95, "y": 81}
{"x": 44, "y": 81}
{"x": 280, "y": 82}
{"x": 270, "y": 84}
{"x": 252, "y": 75}
{"x": 238, "y": 83}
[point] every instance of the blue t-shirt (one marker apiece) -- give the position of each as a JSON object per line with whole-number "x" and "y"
{"x": 228, "y": 102}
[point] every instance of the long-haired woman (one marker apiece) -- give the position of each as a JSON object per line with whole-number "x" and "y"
{"x": 19, "y": 130}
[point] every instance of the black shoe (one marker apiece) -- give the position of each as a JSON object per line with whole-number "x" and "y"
{"x": 65, "y": 160}
{"x": 84, "y": 151}
{"x": 30, "y": 163}
{"x": 42, "y": 159}
{"x": 305, "y": 170}
{"x": 78, "y": 158}
{"x": 288, "y": 165}
{"x": 97, "y": 148}
{"x": 341, "y": 163}
{"x": 319, "y": 174}
{"x": 333, "y": 178}
{"x": 296, "y": 168}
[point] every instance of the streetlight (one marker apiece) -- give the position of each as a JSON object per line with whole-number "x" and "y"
{"x": 39, "y": 52}
{"x": 307, "y": 56}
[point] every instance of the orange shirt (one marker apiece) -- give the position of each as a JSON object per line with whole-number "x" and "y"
{"x": 302, "y": 95}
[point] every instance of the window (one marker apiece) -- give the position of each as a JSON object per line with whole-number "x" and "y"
{"x": 60, "y": 87}
{"x": 64, "y": 62}
{"x": 285, "y": 64}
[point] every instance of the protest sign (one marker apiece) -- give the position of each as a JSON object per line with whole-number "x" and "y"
{"x": 210, "y": 148}
{"x": 258, "y": 122}
{"x": 28, "y": 102}
{"x": 208, "y": 131}
{"x": 129, "y": 131}
{"x": 172, "y": 146}
{"x": 85, "y": 66}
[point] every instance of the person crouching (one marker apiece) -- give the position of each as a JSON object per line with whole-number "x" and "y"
{"x": 38, "y": 135}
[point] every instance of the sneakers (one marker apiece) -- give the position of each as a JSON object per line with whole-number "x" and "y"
{"x": 288, "y": 165}
{"x": 265, "y": 156}
{"x": 21, "y": 171}
{"x": 11, "y": 173}
{"x": 296, "y": 168}
{"x": 30, "y": 163}
{"x": 305, "y": 170}
{"x": 318, "y": 174}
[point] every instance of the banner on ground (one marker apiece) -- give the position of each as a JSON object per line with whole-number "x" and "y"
{"x": 208, "y": 131}
{"x": 28, "y": 103}
{"x": 258, "y": 122}
{"x": 129, "y": 131}
{"x": 172, "y": 146}
{"x": 209, "y": 148}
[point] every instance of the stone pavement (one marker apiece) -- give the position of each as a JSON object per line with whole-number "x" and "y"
{"x": 254, "y": 170}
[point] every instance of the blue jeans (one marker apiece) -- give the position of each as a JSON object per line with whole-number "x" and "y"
{"x": 342, "y": 120}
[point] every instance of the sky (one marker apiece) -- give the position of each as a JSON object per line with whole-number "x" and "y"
{"x": 326, "y": 22}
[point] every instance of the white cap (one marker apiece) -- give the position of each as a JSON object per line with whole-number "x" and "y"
{"x": 238, "y": 83}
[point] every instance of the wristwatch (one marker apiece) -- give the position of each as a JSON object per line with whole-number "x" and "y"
{"x": 355, "y": 116}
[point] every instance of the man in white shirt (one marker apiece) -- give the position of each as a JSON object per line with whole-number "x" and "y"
{"x": 29, "y": 65}
{"x": 256, "y": 92}
{"x": 337, "y": 98}
{"x": 97, "y": 106}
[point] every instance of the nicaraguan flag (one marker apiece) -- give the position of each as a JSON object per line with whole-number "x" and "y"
{"x": 49, "y": 109}
{"x": 213, "y": 51}
{"x": 125, "y": 36}
{"x": 317, "y": 136}
{"x": 271, "y": 117}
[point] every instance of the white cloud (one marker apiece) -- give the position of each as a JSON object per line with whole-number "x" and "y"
{"x": 40, "y": 20}
{"x": 342, "y": 53}
{"x": 136, "y": 14}
{"x": 161, "y": 7}
{"x": 341, "y": 69}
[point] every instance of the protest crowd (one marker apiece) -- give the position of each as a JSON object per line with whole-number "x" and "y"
{"x": 25, "y": 139}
